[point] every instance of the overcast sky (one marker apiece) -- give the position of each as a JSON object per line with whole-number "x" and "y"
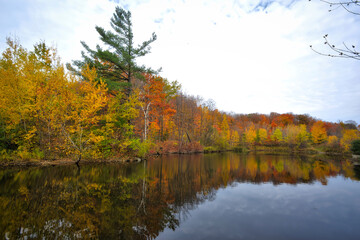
{"x": 248, "y": 56}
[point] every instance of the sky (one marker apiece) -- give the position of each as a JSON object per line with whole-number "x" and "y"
{"x": 248, "y": 56}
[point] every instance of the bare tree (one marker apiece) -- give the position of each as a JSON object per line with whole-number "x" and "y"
{"x": 345, "y": 51}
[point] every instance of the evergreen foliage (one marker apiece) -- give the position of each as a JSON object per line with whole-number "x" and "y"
{"x": 355, "y": 147}
{"x": 117, "y": 63}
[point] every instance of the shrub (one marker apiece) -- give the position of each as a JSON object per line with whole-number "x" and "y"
{"x": 355, "y": 147}
{"x": 210, "y": 149}
{"x": 238, "y": 149}
{"x": 141, "y": 148}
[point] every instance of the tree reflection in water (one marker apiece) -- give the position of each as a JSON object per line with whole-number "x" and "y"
{"x": 138, "y": 201}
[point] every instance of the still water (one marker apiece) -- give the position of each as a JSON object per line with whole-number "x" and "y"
{"x": 214, "y": 196}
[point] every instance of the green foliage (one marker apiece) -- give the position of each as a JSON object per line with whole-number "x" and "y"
{"x": 238, "y": 149}
{"x": 211, "y": 149}
{"x": 26, "y": 154}
{"x": 277, "y": 135}
{"x": 48, "y": 113}
{"x": 295, "y": 136}
{"x": 303, "y": 136}
{"x": 38, "y": 153}
{"x": 208, "y": 136}
{"x": 355, "y": 147}
{"x": 5, "y": 137}
{"x": 221, "y": 142}
{"x": 261, "y": 135}
{"x": 104, "y": 147}
{"x": 116, "y": 64}
{"x": 121, "y": 112}
{"x": 141, "y": 148}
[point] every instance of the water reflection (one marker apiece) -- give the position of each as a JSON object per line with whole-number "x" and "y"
{"x": 139, "y": 201}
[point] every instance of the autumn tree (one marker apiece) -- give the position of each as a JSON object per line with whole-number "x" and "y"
{"x": 261, "y": 135}
{"x": 333, "y": 140}
{"x": 48, "y": 113}
{"x": 305, "y": 119}
{"x": 156, "y": 106}
{"x": 349, "y": 136}
{"x": 295, "y": 135}
{"x": 49, "y": 103}
{"x": 79, "y": 112}
{"x": 17, "y": 94}
{"x": 234, "y": 138}
{"x": 284, "y": 119}
{"x": 225, "y": 130}
{"x": 277, "y": 136}
{"x": 118, "y": 127}
{"x": 333, "y": 143}
{"x": 303, "y": 136}
{"x": 224, "y": 134}
{"x": 318, "y": 132}
{"x": 23, "y": 77}
{"x": 186, "y": 120}
{"x": 117, "y": 63}
{"x": 250, "y": 135}
{"x": 207, "y": 130}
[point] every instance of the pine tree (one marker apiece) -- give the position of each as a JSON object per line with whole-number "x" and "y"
{"x": 116, "y": 64}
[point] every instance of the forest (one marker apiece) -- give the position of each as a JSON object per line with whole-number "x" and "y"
{"x": 106, "y": 106}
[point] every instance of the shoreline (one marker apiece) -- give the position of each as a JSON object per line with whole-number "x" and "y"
{"x": 130, "y": 160}
{"x": 53, "y": 163}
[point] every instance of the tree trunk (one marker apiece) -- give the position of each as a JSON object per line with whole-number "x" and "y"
{"x": 78, "y": 161}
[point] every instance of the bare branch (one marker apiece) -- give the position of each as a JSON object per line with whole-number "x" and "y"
{"x": 347, "y": 5}
{"x": 345, "y": 52}
{"x": 67, "y": 135}
{"x": 341, "y": 52}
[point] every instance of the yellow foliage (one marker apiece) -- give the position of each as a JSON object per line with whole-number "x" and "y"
{"x": 23, "y": 76}
{"x": 333, "y": 140}
{"x": 264, "y": 167}
{"x": 349, "y": 135}
{"x": 235, "y": 139}
{"x": 262, "y": 135}
{"x": 295, "y": 135}
{"x": 39, "y": 97}
{"x": 318, "y": 132}
{"x": 225, "y": 131}
{"x": 277, "y": 135}
{"x": 78, "y": 112}
{"x": 303, "y": 135}
{"x": 250, "y": 135}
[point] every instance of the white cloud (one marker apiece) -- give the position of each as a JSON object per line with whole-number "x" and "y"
{"x": 249, "y": 56}
{"x": 61, "y": 23}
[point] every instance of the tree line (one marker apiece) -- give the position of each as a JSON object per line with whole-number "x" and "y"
{"x": 107, "y": 106}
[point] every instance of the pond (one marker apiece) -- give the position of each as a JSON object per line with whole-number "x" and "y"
{"x": 212, "y": 196}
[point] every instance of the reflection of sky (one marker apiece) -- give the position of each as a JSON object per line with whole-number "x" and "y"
{"x": 265, "y": 211}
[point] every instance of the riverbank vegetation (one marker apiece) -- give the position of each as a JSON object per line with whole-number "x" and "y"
{"x": 107, "y": 107}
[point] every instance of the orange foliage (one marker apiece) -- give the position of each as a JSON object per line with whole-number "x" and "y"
{"x": 318, "y": 132}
